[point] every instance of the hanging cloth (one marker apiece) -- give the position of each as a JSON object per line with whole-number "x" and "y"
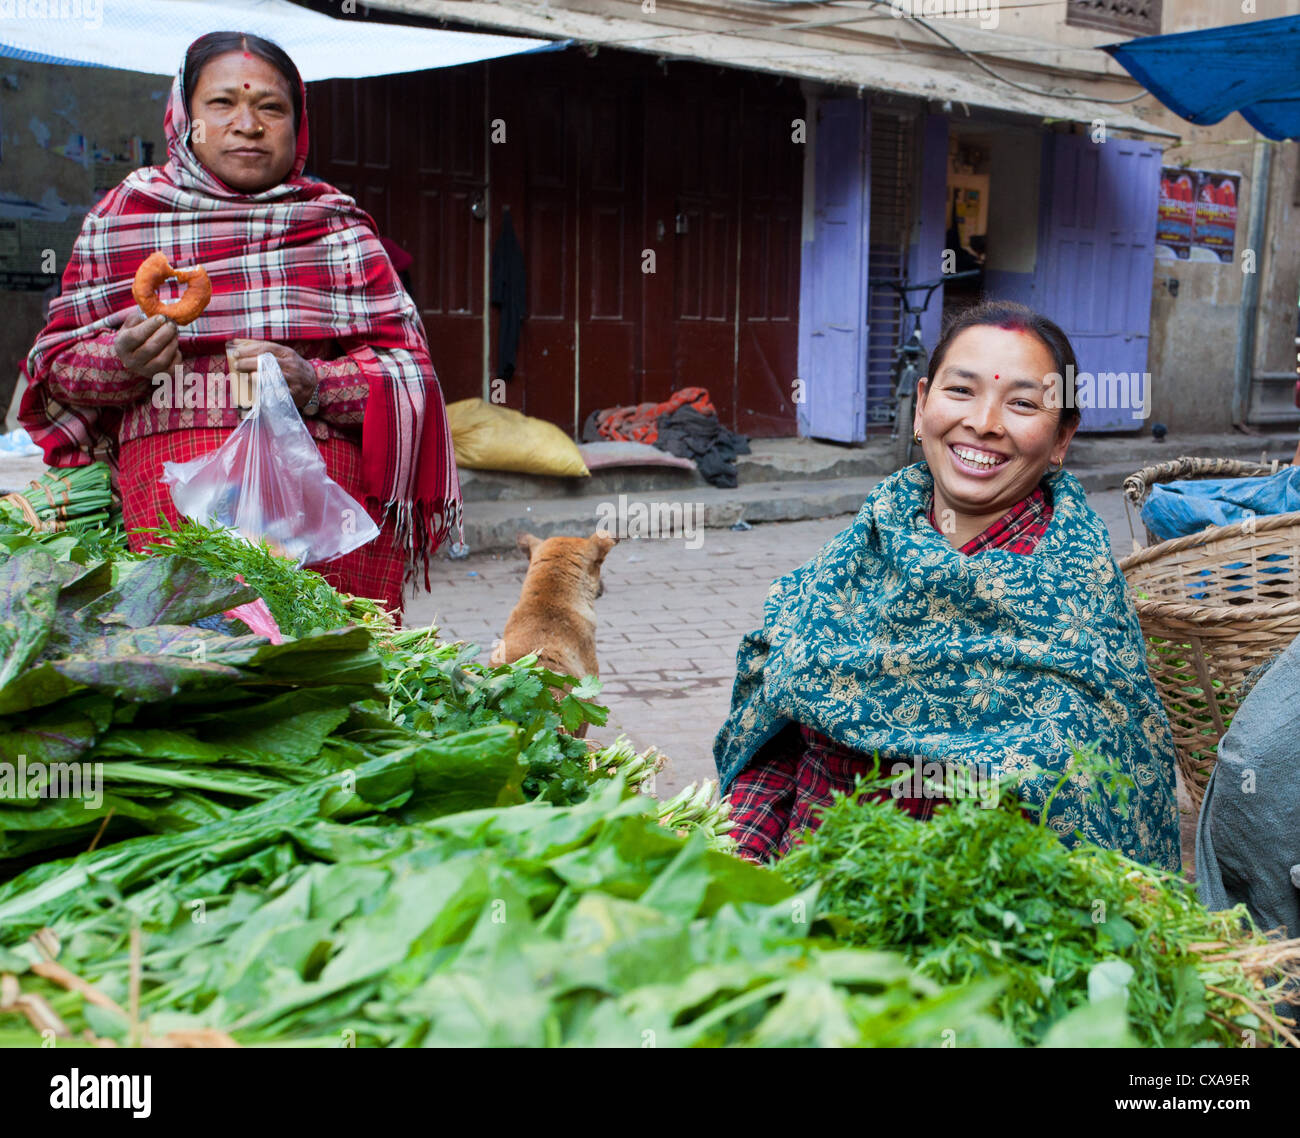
{"x": 508, "y": 294}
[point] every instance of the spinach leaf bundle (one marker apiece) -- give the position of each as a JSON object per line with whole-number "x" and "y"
{"x": 118, "y": 715}
{"x": 316, "y": 919}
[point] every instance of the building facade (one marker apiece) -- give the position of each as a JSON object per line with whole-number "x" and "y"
{"x": 702, "y": 192}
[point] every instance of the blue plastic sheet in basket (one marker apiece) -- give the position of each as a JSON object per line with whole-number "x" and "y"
{"x": 1177, "y": 509}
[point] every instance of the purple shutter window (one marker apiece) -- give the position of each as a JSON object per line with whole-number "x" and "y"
{"x": 833, "y": 292}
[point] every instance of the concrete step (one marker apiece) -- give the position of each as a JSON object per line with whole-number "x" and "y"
{"x": 800, "y": 460}
{"x": 493, "y": 526}
{"x": 810, "y": 460}
{"x": 1097, "y": 452}
{"x": 771, "y": 460}
{"x": 501, "y": 486}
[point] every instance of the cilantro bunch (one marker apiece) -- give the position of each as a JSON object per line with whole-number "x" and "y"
{"x": 438, "y": 689}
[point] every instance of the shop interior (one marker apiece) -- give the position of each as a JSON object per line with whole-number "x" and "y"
{"x": 969, "y": 163}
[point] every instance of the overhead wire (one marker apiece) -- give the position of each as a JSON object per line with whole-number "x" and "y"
{"x": 864, "y": 15}
{"x": 1012, "y": 82}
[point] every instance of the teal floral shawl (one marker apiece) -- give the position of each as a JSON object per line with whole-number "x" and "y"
{"x": 891, "y": 640}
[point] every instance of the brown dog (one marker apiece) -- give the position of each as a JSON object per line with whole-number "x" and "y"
{"x": 556, "y": 613}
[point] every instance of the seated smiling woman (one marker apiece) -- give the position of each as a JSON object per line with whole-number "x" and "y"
{"x": 972, "y": 615}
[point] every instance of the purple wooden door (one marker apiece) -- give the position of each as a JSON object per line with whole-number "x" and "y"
{"x": 833, "y": 290}
{"x": 1095, "y": 277}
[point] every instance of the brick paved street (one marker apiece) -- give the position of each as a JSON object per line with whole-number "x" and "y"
{"x": 668, "y": 624}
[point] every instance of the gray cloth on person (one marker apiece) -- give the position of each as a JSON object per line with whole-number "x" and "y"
{"x": 1248, "y": 834}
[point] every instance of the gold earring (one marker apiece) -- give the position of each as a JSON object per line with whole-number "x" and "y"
{"x": 916, "y": 436}
{"x": 1052, "y": 469}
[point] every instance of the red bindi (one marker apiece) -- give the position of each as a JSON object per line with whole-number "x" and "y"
{"x": 245, "y": 86}
{"x": 995, "y": 375}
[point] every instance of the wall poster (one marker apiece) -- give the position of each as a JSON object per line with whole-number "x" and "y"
{"x": 1196, "y": 216}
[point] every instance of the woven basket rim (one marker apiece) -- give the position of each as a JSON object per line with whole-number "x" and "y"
{"x": 1216, "y": 614}
{"x": 1247, "y": 528}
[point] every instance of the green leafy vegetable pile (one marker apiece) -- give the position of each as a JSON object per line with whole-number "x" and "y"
{"x": 363, "y": 836}
{"x": 433, "y": 688}
{"x": 336, "y": 917}
{"x": 105, "y": 673}
{"x": 986, "y": 894}
{"x": 328, "y": 868}
{"x": 118, "y": 716}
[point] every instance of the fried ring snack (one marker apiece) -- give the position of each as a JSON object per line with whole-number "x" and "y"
{"x": 151, "y": 274}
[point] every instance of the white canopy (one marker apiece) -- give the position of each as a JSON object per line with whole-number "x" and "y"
{"x": 152, "y": 35}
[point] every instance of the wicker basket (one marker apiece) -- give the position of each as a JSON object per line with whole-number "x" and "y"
{"x": 1213, "y": 606}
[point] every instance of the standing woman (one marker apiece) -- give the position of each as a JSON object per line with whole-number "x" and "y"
{"x": 297, "y": 270}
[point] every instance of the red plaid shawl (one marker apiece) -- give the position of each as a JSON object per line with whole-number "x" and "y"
{"x": 300, "y": 261}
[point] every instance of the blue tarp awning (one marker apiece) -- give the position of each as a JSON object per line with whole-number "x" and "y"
{"x": 1204, "y": 76}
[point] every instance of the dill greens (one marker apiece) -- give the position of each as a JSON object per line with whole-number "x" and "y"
{"x": 301, "y": 601}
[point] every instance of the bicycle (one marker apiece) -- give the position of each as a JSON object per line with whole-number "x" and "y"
{"x": 909, "y": 358}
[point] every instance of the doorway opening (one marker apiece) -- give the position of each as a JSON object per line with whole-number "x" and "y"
{"x": 969, "y": 166}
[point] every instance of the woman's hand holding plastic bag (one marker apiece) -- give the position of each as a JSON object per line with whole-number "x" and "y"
{"x": 267, "y": 481}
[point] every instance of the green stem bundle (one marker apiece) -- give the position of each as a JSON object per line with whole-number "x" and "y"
{"x": 80, "y": 494}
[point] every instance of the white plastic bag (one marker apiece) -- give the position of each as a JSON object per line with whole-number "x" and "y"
{"x": 268, "y": 481}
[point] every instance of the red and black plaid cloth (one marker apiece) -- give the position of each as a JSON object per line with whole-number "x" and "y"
{"x": 782, "y": 792}
{"x": 297, "y": 262}
{"x": 1016, "y": 531}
